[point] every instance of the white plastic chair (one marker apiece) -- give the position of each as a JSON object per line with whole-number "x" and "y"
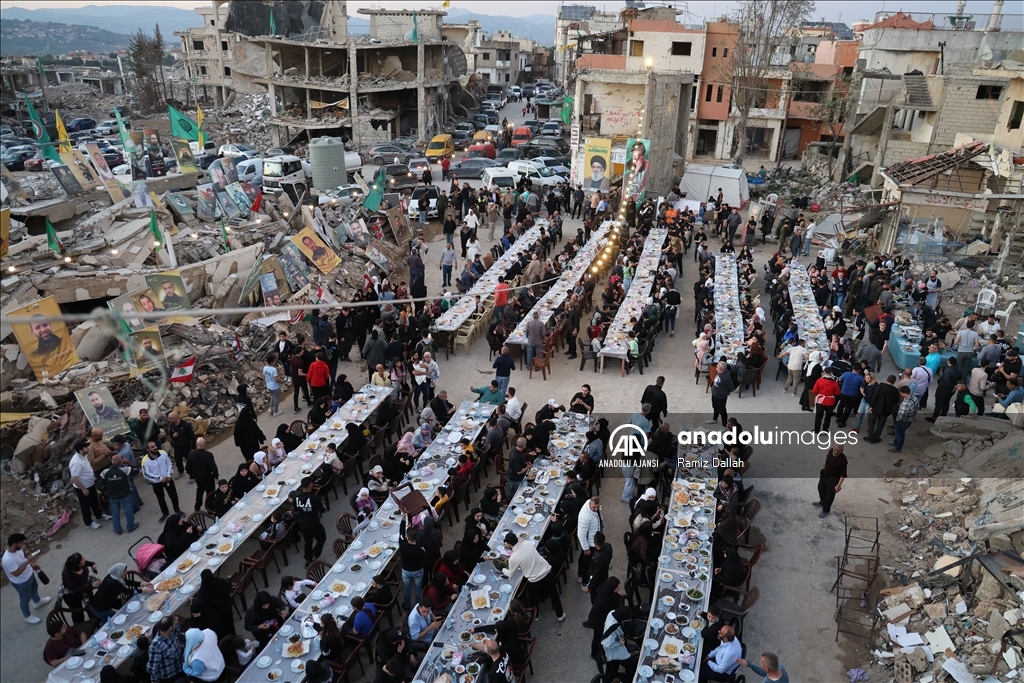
{"x": 1005, "y": 315}
{"x": 986, "y": 301}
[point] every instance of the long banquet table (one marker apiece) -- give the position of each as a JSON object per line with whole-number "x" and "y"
{"x": 181, "y": 577}
{"x": 452, "y": 319}
{"x": 805, "y": 310}
{"x": 559, "y": 291}
{"x": 486, "y": 597}
{"x": 616, "y": 344}
{"x": 369, "y": 553}
{"x": 728, "y": 316}
{"x": 683, "y": 587}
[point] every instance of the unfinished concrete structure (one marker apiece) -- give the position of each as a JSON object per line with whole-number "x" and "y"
{"x": 322, "y": 81}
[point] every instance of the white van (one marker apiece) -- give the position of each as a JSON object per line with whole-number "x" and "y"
{"x": 536, "y": 172}
{"x": 250, "y": 171}
{"x": 501, "y": 177}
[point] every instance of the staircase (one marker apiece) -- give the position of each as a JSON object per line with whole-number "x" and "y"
{"x": 916, "y": 90}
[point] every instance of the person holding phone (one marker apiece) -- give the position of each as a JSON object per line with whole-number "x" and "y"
{"x": 21, "y": 572}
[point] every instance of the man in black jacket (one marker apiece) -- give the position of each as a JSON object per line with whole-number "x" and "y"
{"x": 183, "y": 439}
{"x": 309, "y": 507}
{"x": 117, "y": 483}
{"x": 284, "y": 352}
{"x": 945, "y": 389}
{"x": 374, "y": 352}
{"x": 600, "y": 563}
{"x": 883, "y": 403}
{"x": 654, "y": 394}
{"x": 202, "y": 467}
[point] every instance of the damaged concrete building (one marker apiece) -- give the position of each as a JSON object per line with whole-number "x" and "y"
{"x": 391, "y": 84}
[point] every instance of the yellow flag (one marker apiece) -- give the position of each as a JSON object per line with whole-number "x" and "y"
{"x": 62, "y": 134}
{"x": 199, "y": 122}
{"x": 446, "y": 4}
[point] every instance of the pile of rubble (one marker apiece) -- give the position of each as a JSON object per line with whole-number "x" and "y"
{"x": 82, "y": 99}
{"x": 792, "y": 184}
{"x": 32, "y": 509}
{"x": 242, "y": 119}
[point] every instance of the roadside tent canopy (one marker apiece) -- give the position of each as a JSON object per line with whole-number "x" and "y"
{"x": 700, "y": 181}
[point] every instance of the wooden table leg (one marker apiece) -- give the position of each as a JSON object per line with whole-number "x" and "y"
{"x": 623, "y": 367}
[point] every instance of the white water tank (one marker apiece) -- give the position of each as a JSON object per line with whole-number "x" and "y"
{"x": 327, "y": 161}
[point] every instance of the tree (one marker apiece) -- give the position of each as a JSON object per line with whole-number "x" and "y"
{"x": 144, "y": 57}
{"x": 833, "y": 112}
{"x": 762, "y": 31}
{"x": 157, "y": 55}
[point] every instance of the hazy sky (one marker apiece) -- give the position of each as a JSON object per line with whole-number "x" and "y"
{"x": 698, "y": 9}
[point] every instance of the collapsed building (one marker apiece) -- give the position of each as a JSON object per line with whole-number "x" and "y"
{"x": 397, "y": 82}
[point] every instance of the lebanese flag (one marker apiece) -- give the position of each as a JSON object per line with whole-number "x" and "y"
{"x": 236, "y": 347}
{"x": 257, "y": 203}
{"x": 183, "y": 372}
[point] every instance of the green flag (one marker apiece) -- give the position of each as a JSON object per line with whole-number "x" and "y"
{"x": 224, "y": 235}
{"x": 273, "y": 24}
{"x": 49, "y": 150}
{"x": 415, "y": 28}
{"x": 567, "y": 105}
{"x": 130, "y": 150}
{"x": 154, "y": 229}
{"x": 52, "y": 240}
{"x": 182, "y": 127}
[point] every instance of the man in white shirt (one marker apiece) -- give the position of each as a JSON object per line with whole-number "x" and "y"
{"x": 84, "y": 482}
{"x": 588, "y": 524}
{"x": 513, "y": 408}
{"x": 471, "y": 221}
{"x": 988, "y": 327}
{"x": 808, "y": 234}
{"x": 795, "y": 365}
{"x": 158, "y": 470}
{"x": 21, "y": 572}
{"x": 720, "y": 663}
{"x": 536, "y": 571}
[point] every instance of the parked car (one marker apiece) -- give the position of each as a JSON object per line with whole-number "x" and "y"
{"x": 418, "y": 165}
{"x": 111, "y": 156}
{"x": 385, "y": 153}
{"x": 396, "y": 177}
{"x": 509, "y": 154}
{"x": 80, "y": 124}
{"x": 5, "y": 132}
{"x": 343, "y": 194}
{"x": 15, "y": 161}
{"x": 480, "y": 121}
{"x": 440, "y": 146}
{"x": 280, "y": 151}
{"x": 471, "y": 168}
{"x": 462, "y": 139}
{"x": 414, "y": 202}
{"x": 521, "y": 136}
{"x": 553, "y": 128}
{"x": 108, "y": 127}
{"x": 556, "y": 165}
{"x": 39, "y": 164}
{"x": 529, "y": 91}
{"x": 517, "y": 92}
{"x": 237, "y": 150}
{"x": 537, "y": 172}
{"x": 484, "y": 135}
{"x": 492, "y": 117}
{"x": 499, "y": 177}
{"x": 251, "y": 171}
{"x": 547, "y": 141}
{"x": 480, "y": 149}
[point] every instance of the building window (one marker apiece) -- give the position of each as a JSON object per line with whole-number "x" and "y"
{"x": 718, "y": 97}
{"x": 693, "y": 99}
{"x": 227, "y": 71}
{"x": 202, "y": 70}
{"x": 506, "y": 78}
{"x": 711, "y": 89}
{"x": 681, "y": 49}
{"x": 725, "y": 52}
{"x": 1016, "y": 114}
{"x": 636, "y": 48}
{"x": 198, "y": 45}
{"x": 487, "y": 56}
{"x": 714, "y": 52}
{"x": 988, "y": 92}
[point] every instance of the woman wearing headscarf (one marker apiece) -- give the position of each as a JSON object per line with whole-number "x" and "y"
{"x": 111, "y": 594}
{"x": 377, "y": 484}
{"x": 289, "y": 440}
{"x": 396, "y": 465}
{"x": 451, "y": 568}
{"x": 265, "y": 616}
{"x": 473, "y": 547}
{"x": 243, "y": 481}
{"x": 248, "y": 436}
{"x": 364, "y": 505}
{"x": 476, "y": 519}
{"x": 405, "y": 445}
{"x": 642, "y": 550}
{"x": 259, "y": 466}
{"x": 355, "y": 440}
{"x": 216, "y": 593}
{"x": 77, "y": 582}
{"x": 343, "y": 390}
{"x": 701, "y": 355}
{"x": 177, "y": 536}
{"x": 618, "y": 652}
{"x": 277, "y": 453}
{"x": 729, "y": 570}
{"x": 202, "y": 659}
{"x": 201, "y": 616}
{"x": 108, "y": 674}
{"x": 490, "y": 505}
{"x": 607, "y": 598}
{"x": 427, "y": 416}
{"x": 507, "y": 631}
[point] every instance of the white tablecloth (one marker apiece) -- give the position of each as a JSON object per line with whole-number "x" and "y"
{"x": 559, "y": 292}
{"x": 452, "y": 319}
{"x": 728, "y": 317}
{"x": 231, "y": 531}
{"x": 805, "y": 310}
{"x": 373, "y": 547}
{"x": 616, "y": 342}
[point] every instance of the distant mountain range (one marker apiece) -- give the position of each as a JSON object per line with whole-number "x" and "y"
{"x": 48, "y": 38}
{"x": 128, "y": 19}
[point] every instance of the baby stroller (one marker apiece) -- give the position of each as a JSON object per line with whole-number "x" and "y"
{"x": 149, "y": 557}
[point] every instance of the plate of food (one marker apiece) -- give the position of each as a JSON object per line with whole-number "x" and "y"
{"x": 374, "y": 550}
{"x": 695, "y": 594}
{"x": 671, "y": 629}
{"x": 226, "y": 547}
{"x": 667, "y": 577}
{"x": 468, "y": 616}
{"x": 274, "y": 675}
{"x": 480, "y": 601}
{"x": 688, "y": 632}
{"x": 245, "y": 518}
{"x": 296, "y": 649}
{"x": 298, "y": 666}
{"x": 465, "y": 637}
{"x": 523, "y": 520}
{"x": 671, "y": 647}
{"x": 422, "y": 485}
{"x": 668, "y": 600}
{"x": 341, "y": 587}
{"x": 184, "y": 566}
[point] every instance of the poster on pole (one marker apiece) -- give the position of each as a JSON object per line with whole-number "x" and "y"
{"x": 101, "y": 410}
{"x": 106, "y": 176}
{"x": 597, "y": 164}
{"x": 155, "y": 153}
{"x": 634, "y": 179}
{"x": 44, "y": 339}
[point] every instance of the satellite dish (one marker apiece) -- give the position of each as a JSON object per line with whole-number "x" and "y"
{"x": 985, "y": 53}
